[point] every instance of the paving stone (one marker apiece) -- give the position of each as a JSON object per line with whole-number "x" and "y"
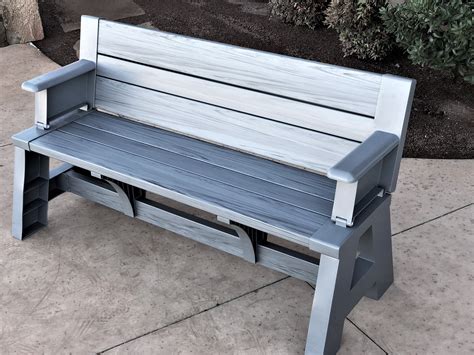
{"x": 429, "y": 188}
{"x": 72, "y": 10}
{"x": 19, "y": 62}
{"x": 429, "y": 309}
{"x": 273, "y": 320}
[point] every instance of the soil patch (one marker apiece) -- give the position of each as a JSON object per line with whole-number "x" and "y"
{"x": 442, "y": 120}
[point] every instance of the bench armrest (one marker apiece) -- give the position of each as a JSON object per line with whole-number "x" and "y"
{"x": 58, "y": 76}
{"x": 61, "y": 91}
{"x": 358, "y": 162}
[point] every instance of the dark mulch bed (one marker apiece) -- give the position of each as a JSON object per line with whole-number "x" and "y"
{"x": 441, "y": 124}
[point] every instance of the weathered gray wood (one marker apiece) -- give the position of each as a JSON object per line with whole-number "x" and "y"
{"x": 327, "y": 85}
{"x": 268, "y": 215}
{"x": 297, "y": 113}
{"x": 312, "y": 151}
{"x": 199, "y": 168}
{"x": 263, "y": 169}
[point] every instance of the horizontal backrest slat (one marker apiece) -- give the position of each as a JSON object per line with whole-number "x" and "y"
{"x": 297, "y": 113}
{"x": 312, "y": 82}
{"x": 291, "y": 145}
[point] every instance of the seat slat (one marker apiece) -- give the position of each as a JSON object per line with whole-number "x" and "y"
{"x": 327, "y": 85}
{"x": 263, "y": 169}
{"x": 322, "y": 119}
{"x": 294, "y": 146}
{"x": 205, "y": 170}
{"x": 284, "y": 220}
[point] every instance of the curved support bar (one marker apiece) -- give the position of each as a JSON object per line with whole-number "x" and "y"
{"x": 125, "y": 203}
{"x": 248, "y": 250}
{"x": 358, "y": 162}
{"x": 58, "y": 76}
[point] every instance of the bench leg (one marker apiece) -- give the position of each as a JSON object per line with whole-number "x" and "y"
{"x": 330, "y": 306}
{"x": 378, "y": 249}
{"x": 364, "y": 267}
{"x": 30, "y": 193}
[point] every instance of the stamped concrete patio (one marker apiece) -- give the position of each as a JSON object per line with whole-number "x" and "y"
{"x": 97, "y": 281}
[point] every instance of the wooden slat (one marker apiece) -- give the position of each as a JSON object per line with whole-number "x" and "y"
{"x": 322, "y": 119}
{"x": 294, "y": 146}
{"x": 327, "y": 85}
{"x": 290, "y": 222}
{"x": 263, "y": 169}
{"x": 199, "y": 168}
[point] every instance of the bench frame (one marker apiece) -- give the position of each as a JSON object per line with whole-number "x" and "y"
{"x": 354, "y": 262}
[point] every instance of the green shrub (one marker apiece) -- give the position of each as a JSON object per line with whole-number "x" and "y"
{"x": 300, "y": 12}
{"x": 435, "y": 33}
{"x": 360, "y": 27}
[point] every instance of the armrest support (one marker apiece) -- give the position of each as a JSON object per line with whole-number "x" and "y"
{"x": 58, "y": 76}
{"x": 361, "y": 175}
{"x": 358, "y": 162}
{"x": 61, "y": 91}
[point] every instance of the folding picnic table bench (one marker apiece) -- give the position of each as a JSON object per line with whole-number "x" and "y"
{"x": 269, "y": 144}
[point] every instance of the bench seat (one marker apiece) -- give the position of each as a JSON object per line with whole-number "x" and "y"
{"x": 289, "y": 202}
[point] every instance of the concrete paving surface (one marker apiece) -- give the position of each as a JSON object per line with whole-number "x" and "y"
{"x": 96, "y": 281}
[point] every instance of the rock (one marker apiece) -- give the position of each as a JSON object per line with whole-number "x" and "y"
{"x": 22, "y": 21}
{"x": 77, "y": 47}
{"x": 148, "y": 25}
{"x": 3, "y": 34}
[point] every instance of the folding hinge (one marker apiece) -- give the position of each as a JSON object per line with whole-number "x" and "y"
{"x": 342, "y": 222}
{"x": 96, "y": 175}
{"x": 41, "y": 125}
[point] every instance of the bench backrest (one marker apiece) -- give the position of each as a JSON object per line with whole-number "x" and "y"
{"x": 201, "y": 89}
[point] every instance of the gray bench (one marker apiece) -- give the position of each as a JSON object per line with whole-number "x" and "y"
{"x": 306, "y": 152}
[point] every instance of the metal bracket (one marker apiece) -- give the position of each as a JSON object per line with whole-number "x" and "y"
{"x": 127, "y": 194}
{"x": 126, "y": 204}
{"x": 248, "y": 249}
{"x": 42, "y": 126}
{"x": 342, "y": 222}
{"x": 251, "y": 238}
